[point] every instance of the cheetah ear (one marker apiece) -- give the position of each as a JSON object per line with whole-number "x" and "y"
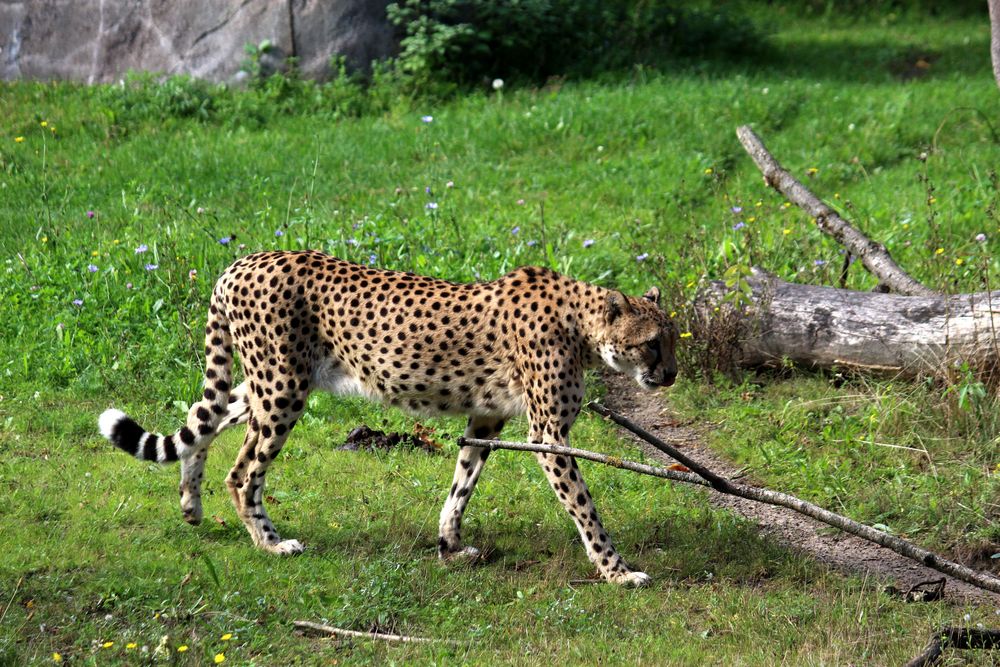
{"x": 653, "y": 294}
{"x": 615, "y": 305}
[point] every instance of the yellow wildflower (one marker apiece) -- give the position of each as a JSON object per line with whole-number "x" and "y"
{"x": 182, "y": 648}
{"x": 56, "y": 657}
{"x": 220, "y": 658}
{"x": 751, "y": 219}
{"x": 691, "y": 284}
{"x": 686, "y": 334}
{"x": 116, "y": 241}
{"x": 759, "y": 203}
{"x": 787, "y": 204}
{"x": 226, "y": 637}
{"x": 931, "y": 199}
{"x": 20, "y": 140}
{"x": 786, "y": 231}
{"x": 44, "y": 123}
{"x": 673, "y": 313}
{"x": 812, "y": 171}
{"x": 45, "y": 239}
{"x": 107, "y": 644}
{"x": 959, "y": 261}
{"x": 939, "y": 251}
{"x": 836, "y": 195}
{"x": 708, "y": 171}
{"x": 131, "y": 645}
{"x": 94, "y": 253}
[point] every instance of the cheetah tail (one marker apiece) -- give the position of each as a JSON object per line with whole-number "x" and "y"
{"x": 209, "y": 416}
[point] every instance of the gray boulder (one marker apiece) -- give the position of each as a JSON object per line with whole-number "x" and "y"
{"x": 97, "y": 41}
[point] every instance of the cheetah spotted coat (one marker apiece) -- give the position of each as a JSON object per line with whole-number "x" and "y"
{"x": 302, "y": 321}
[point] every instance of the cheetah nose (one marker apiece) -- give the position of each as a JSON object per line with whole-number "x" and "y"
{"x": 668, "y": 379}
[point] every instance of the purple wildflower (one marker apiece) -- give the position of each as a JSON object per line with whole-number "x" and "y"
{"x": 152, "y": 267}
{"x": 981, "y": 237}
{"x": 516, "y": 230}
{"x": 77, "y": 302}
{"x": 372, "y": 259}
{"x": 588, "y": 243}
{"x": 92, "y": 268}
{"x": 90, "y": 214}
{"x": 737, "y": 209}
{"x": 739, "y": 225}
{"x": 431, "y": 206}
{"x": 128, "y": 285}
{"x": 532, "y": 243}
{"x": 642, "y": 257}
{"x": 225, "y": 240}
{"x": 279, "y": 233}
{"x": 141, "y": 249}
{"x": 427, "y": 119}
{"x": 819, "y": 262}
{"x": 427, "y": 189}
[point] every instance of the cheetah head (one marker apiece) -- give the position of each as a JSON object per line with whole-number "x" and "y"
{"x": 639, "y": 339}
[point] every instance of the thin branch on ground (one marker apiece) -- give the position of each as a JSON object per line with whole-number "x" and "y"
{"x": 930, "y": 559}
{"x": 960, "y": 638}
{"x": 613, "y": 461}
{"x": 873, "y": 255}
{"x": 379, "y": 636}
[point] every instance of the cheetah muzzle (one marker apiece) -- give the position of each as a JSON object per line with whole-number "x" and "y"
{"x": 303, "y": 321}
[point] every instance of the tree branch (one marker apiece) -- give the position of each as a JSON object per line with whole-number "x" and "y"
{"x": 613, "y": 461}
{"x": 380, "y": 636}
{"x": 962, "y": 638}
{"x": 982, "y": 580}
{"x": 873, "y": 255}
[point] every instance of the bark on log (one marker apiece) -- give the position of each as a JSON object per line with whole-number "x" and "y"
{"x": 995, "y": 38}
{"x": 824, "y": 327}
{"x": 872, "y": 254}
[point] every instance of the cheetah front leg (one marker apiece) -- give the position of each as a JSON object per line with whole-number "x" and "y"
{"x": 566, "y": 480}
{"x": 467, "y": 469}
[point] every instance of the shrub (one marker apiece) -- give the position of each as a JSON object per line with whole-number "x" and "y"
{"x": 473, "y": 41}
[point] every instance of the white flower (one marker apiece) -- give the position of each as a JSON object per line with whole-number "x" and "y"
{"x": 497, "y": 84}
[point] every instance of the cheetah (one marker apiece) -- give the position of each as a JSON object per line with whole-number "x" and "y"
{"x": 302, "y": 321}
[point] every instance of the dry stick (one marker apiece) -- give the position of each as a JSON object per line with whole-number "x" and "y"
{"x": 963, "y": 638}
{"x": 612, "y": 461}
{"x": 930, "y": 559}
{"x": 873, "y": 255}
{"x": 381, "y": 636}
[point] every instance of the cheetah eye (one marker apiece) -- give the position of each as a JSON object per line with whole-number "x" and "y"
{"x": 653, "y": 345}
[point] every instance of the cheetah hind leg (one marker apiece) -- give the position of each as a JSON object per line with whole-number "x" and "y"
{"x": 264, "y": 440}
{"x": 193, "y": 467}
{"x": 467, "y": 469}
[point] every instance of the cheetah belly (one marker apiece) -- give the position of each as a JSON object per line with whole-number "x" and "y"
{"x": 337, "y": 379}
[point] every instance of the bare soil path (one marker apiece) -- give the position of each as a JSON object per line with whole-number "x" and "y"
{"x": 838, "y": 550}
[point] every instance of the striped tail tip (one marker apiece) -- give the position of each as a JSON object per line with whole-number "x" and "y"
{"x": 125, "y": 434}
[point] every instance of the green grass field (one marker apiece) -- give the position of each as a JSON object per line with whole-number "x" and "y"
{"x": 113, "y": 225}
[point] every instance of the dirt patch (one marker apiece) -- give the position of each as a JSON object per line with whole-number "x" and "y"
{"x": 839, "y": 550}
{"x": 367, "y": 439}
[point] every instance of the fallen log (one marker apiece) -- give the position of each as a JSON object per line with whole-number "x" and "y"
{"x": 822, "y": 327}
{"x": 915, "y": 331}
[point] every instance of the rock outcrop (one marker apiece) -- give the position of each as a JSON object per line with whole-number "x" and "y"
{"x": 97, "y": 41}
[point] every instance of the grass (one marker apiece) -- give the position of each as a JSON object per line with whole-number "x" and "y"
{"x": 641, "y": 164}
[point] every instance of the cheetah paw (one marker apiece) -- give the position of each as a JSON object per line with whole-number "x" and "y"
{"x": 287, "y": 548}
{"x": 193, "y": 515}
{"x": 464, "y": 556}
{"x": 634, "y": 580}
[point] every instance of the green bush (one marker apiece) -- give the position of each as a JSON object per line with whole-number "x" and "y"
{"x": 474, "y": 41}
